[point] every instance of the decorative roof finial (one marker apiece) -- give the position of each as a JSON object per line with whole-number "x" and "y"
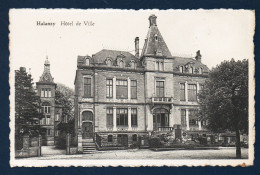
{"x": 47, "y": 61}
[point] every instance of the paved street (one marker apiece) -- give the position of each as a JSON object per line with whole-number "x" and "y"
{"x": 221, "y": 153}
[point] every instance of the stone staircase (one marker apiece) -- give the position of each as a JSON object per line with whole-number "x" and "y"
{"x": 88, "y": 146}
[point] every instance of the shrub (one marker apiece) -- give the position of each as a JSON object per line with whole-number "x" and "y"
{"x": 155, "y": 143}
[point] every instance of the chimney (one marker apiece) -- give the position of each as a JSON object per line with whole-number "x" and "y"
{"x": 152, "y": 20}
{"x": 198, "y": 56}
{"x": 137, "y": 47}
{"x": 23, "y": 69}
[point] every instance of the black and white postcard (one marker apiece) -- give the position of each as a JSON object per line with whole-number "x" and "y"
{"x": 131, "y": 88}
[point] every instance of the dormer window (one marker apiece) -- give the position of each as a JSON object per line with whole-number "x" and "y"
{"x": 181, "y": 69}
{"x": 121, "y": 64}
{"x": 133, "y": 64}
{"x": 87, "y": 62}
{"x": 200, "y": 70}
{"x": 156, "y": 38}
{"x": 109, "y": 62}
{"x": 191, "y": 70}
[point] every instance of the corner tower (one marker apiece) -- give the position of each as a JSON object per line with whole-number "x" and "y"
{"x": 154, "y": 43}
{"x": 157, "y": 61}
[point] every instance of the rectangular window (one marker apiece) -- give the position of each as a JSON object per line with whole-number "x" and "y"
{"x": 192, "y": 92}
{"x": 42, "y": 92}
{"x": 109, "y": 117}
{"x": 134, "y": 117}
{"x": 57, "y": 117}
{"x": 109, "y": 138}
{"x": 48, "y": 132}
{"x": 162, "y": 66}
{"x": 109, "y": 88}
{"x": 48, "y": 120}
{"x": 45, "y": 92}
{"x": 157, "y": 66}
{"x": 160, "y": 88}
{"x": 46, "y": 109}
{"x": 121, "y": 89}
{"x": 134, "y": 137}
{"x": 49, "y": 92}
{"x": 183, "y": 117}
{"x": 193, "y": 118}
{"x": 65, "y": 119}
{"x": 87, "y": 87}
{"x": 43, "y": 121}
{"x": 122, "y": 117}
{"x": 56, "y": 133}
{"x": 182, "y": 92}
{"x": 192, "y": 122}
{"x": 133, "y": 89}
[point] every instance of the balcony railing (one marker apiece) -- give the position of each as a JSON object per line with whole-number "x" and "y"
{"x": 162, "y": 99}
{"x": 165, "y": 128}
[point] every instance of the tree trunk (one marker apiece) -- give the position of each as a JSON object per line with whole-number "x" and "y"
{"x": 238, "y": 145}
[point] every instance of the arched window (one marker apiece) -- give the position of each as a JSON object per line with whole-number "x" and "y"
{"x": 156, "y": 37}
{"x": 160, "y": 118}
{"x": 109, "y": 138}
{"x": 134, "y": 138}
{"x": 200, "y": 70}
{"x": 181, "y": 69}
{"x": 109, "y": 62}
{"x": 87, "y": 61}
{"x": 121, "y": 64}
{"x": 87, "y": 116}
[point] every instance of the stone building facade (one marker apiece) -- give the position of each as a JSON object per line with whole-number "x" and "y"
{"x": 120, "y": 97}
{"x": 45, "y": 88}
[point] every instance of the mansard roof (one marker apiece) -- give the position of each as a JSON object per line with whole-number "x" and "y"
{"x": 154, "y": 43}
{"x": 186, "y": 62}
{"x": 102, "y": 56}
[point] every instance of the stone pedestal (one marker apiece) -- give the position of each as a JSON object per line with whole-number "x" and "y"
{"x": 26, "y": 142}
{"x": 80, "y": 149}
{"x": 68, "y": 137}
{"x": 40, "y": 145}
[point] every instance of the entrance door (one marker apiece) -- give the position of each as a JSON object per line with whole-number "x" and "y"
{"x": 87, "y": 130}
{"x": 160, "y": 118}
{"x": 122, "y": 139}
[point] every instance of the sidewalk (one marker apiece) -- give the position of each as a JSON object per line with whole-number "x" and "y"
{"x": 221, "y": 153}
{"x": 51, "y": 150}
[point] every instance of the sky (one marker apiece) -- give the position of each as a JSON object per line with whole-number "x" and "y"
{"x": 218, "y": 34}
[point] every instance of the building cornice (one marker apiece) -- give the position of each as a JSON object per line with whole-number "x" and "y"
{"x": 46, "y": 83}
{"x": 140, "y": 70}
